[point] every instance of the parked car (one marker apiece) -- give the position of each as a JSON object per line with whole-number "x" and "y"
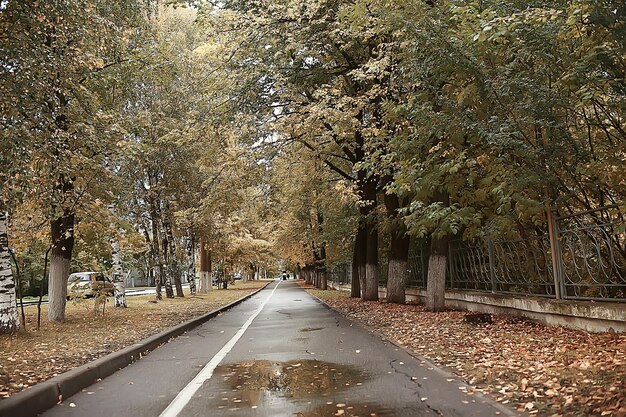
{"x": 89, "y": 284}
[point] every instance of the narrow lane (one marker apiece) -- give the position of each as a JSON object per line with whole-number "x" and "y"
{"x": 296, "y": 358}
{"x": 145, "y": 388}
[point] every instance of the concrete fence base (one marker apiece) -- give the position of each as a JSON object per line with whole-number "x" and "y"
{"x": 582, "y": 315}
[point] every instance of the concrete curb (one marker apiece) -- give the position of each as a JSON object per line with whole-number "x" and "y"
{"x": 42, "y": 396}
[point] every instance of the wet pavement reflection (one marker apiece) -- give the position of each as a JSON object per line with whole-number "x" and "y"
{"x": 301, "y": 388}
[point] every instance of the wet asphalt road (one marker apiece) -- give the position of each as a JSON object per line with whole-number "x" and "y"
{"x": 296, "y": 358}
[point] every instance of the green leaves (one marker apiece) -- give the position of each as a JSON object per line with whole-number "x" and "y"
{"x": 505, "y": 107}
{"x": 504, "y": 111}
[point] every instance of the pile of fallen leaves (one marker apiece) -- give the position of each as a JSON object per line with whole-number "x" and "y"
{"x": 31, "y": 356}
{"x": 543, "y": 370}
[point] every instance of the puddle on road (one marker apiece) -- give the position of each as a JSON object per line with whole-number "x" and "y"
{"x": 295, "y": 379}
{"x": 305, "y": 388}
{"x": 345, "y": 410}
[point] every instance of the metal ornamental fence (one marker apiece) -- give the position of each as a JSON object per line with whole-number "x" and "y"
{"x": 591, "y": 255}
{"x": 507, "y": 266}
{"x": 581, "y": 256}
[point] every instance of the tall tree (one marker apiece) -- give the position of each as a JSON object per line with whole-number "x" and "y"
{"x": 55, "y": 42}
{"x": 320, "y": 79}
{"x": 118, "y": 270}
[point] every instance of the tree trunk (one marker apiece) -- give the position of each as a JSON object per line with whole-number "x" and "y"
{"x": 118, "y": 274}
{"x": 437, "y": 263}
{"x": 151, "y": 279}
{"x": 150, "y": 260}
{"x": 43, "y": 278}
{"x": 323, "y": 271}
{"x": 371, "y": 263}
{"x": 9, "y": 319}
{"x": 371, "y": 227}
{"x": 436, "y": 281}
{"x": 355, "y": 285}
{"x": 172, "y": 264}
{"x": 324, "y": 279}
{"x": 308, "y": 279}
{"x": 118, "y": 270}
{"x": 18, "y": 282}
{"x": 191, "y": 262}
{"x": 62, "y": 232}
{"x": 157, "y": 266}
{"x": 358, "y": 263}
{"x": 320, "y": 254}
{"x": 397, "y": 274}
{"x": 362, "y": 247}
{"x": 166, "y": 264}
{"x": 205, "y": 268}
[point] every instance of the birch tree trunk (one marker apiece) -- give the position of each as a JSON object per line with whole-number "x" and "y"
{"x": 166, "y": 265}
{"x": 205, "y": 268}
{"x": 118, "y": 270}
{"x": 118, "y": 274}
{"x": 9, "y": 319}
{"x": 62, "y": 232}
{"x": 191, "y": 262}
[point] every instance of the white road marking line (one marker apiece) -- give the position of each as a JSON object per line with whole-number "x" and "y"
{"x": 185, "y": 395}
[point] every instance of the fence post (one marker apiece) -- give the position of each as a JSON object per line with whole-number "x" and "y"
{"x": 555, "y": 252}
{"x": 424, "y": 274}
{"x": 492, "y": 265}
{"x": 451, "y": 264}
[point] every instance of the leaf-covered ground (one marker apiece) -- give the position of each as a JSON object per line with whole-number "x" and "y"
{"x": 543, "y": 370}
{"x": 32, "y": 356}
